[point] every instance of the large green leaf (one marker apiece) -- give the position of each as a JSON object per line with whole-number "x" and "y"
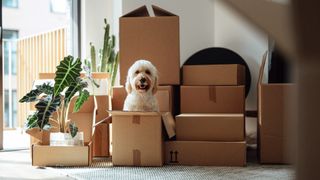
{"x": 32, "y": 96}
{"x": 83, "y": 96}
{"x": 32, "y": 120}
{"x": 67, "y": 72}
{"x": 78, "y": 86}
{"x": 45, "y": 107}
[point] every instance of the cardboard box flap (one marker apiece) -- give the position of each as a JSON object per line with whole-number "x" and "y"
{"x": 261, "y": 70}
{"x": 88, "y": 110}
{"x": 161, "y": 12}
{"x": 139, "y": 12}
{"x": 169, "y": 124}
{"x": 133, "y": 113}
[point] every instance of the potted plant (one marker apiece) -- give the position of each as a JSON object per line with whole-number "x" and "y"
{"x": 107, "y": 61}
{"x": 52, "y": 102}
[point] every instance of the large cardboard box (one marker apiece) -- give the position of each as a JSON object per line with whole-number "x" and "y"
{"x": 210, "y": 127}
{"x": 212, "y": 99}
{"x": 277, "y": 117}
{"x": 164, "y": 96}
{"x": 44, "y": 155}
{"x": 205, "y": 153}
{"x": 137, "y": 139}
{"x": 221, "y": 74}
{"x": 152, "y": 38}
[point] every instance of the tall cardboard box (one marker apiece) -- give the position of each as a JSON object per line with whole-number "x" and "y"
{"x": 137, "y": 139}
{"x": 210, "y": 127}
{"x": 205, "y": 153}
{"x": 212, "y": 99}
{"x": 164, "y": 95}
{"x": 218, "y": 74}
{"x": 152, "y": 38}
{"x": 44, "y": 155}
{"x": 277, "y": 117}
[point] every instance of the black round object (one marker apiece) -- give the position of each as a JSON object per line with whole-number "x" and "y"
{"x": 217, "y": 55}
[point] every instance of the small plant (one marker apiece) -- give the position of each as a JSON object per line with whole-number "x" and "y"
{"x": 57, "y": 98}
{"x": 108, "y": 57}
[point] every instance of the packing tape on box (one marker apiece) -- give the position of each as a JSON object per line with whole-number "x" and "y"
{"x": 136, "y": 119}
{"x": 136, "y": 154}
{"x": 213, "y": 93}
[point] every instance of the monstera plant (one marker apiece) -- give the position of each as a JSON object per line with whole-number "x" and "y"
{"x": 54, "y": 100}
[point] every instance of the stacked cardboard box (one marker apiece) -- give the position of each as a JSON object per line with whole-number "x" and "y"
{"x": 211, "y": 128}
{"x": 137, "y": 138}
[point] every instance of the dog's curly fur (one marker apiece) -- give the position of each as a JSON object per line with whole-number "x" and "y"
{"x": 141, "y": 85}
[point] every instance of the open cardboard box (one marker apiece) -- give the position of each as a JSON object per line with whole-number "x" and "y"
{"x": 44, "y": 155}
{"x": 152, "y": 38}
{"x": 137, "y": 139}
{"x": 276, "y": 118}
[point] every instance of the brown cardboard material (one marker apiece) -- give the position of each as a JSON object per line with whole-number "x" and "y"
{"x": 152, "y": 38}
{"x": 221, "y": 74}
{"x": 275, "y": 124}
{"x": 164, "y": 96}
{"x": 205, "y": 153}
{"x": 137, "y": 139}
{"x": 169, "y": 124}
{"x": 210, "y": 127}
{"x": 212, "y": 99}
{"x": 72, "y": 155}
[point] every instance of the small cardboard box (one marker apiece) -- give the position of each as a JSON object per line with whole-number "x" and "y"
{"x": 44, "y": 155}
{"x": 277, "y": 117}
{"x": 212, "y": 99}
{"x": 137, "y": 139}
{"x": 152, "y": 38}
{"x": 210, "y": 127}
{"x": 164, "y": 96}
{"x": 205, "y": 153}
{"x": 222, "y": 74}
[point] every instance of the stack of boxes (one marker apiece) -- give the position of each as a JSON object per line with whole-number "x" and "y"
{"x": 211, "y": 128}
{"x": 137, "y": 137}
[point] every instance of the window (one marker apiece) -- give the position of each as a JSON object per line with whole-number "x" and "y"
{"x": 58, "y": 6}
{"x": 10, "y": 3}
{"x": 10, "y": 51}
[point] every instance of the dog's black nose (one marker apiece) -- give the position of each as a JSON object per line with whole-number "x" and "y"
{"x": 143, "y": 80}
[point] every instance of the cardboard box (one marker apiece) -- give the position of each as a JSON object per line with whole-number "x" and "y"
{"x": 212, "y": 99}
{"x": 152, "y": 38}
{"x": 277, "y": 115}
{"x": 221, "y": 74}
{"x": 205, "y": 153}
{"x": 210, "y": 127}
{"x": 101, "y": 134}
{"x": 44, "y": 155}
{"x": 164, "y": 96}
{"x": 137, "y": 139}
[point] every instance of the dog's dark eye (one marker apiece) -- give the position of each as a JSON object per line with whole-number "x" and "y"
{"x": 137, "y": 72}
{"x": 148, "y": 72}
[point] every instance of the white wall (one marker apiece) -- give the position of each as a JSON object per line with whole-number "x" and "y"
{"x": 234, "y": 32}
{"x": 196, "y": 22}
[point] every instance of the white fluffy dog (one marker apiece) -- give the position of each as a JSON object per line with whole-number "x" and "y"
{"x": 141, "y": 85}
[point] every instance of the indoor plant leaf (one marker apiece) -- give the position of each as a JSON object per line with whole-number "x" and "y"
{"x": 83, "y": 96}
{"x": 46, "y": 106}
{"x": 67, "y": 73}
{"x": 75, "y": 87}
{"x": 32, "y": 96}
{"x": 32, "y": 121}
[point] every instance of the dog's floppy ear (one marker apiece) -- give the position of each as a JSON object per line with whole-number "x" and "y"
{"x": 155, "y": 85}
{"x": 128, "y": 85}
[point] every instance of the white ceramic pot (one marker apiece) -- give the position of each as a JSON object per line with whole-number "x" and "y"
{"x": 65, "y": 139}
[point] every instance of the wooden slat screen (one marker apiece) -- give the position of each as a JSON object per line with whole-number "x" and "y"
{"x": 37, "y": 54}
